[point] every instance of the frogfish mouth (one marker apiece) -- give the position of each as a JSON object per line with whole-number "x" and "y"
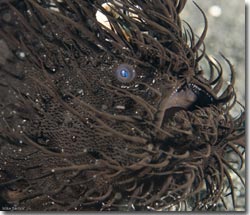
{"x": 183, "y": 97}
{"x": 104, "y": 106}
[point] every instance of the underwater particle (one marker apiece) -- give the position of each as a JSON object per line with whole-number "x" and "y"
{"x": 73, "y": 138}
{"x": 215, "y": 11}
{"x": 21, "y": 55}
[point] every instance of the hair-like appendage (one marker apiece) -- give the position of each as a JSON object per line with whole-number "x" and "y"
{"x": 77, "y": 134}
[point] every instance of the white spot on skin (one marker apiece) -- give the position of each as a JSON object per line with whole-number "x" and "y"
{"x": 215, "y": 11}
{"x": 121, "y": 107}
{"x": 104, "y": 107}
{"x": 150, "y": 147}
{"x": 81, "y": 92}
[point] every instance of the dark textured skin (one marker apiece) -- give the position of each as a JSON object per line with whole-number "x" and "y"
{"x": 74, "y": 137}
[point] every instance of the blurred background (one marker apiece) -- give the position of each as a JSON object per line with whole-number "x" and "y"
{"x": 226, "y": 33}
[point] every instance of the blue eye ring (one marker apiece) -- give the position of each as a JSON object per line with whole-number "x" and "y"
{"x": 125, "y": 73}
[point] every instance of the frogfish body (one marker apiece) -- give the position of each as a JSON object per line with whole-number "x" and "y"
{"x": 115, "y": 115}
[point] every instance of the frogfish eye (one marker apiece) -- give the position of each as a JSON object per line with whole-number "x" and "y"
{"x": 125, "y": 73}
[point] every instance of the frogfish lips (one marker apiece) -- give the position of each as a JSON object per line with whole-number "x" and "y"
{"x": 185, "y": 97}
